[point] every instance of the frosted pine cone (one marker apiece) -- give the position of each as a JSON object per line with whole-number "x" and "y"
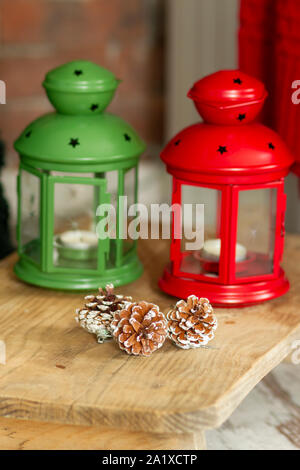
{"x": 97, "y": 314}
{"x": 191, "y": 324}
{"x": 140, "y": 328}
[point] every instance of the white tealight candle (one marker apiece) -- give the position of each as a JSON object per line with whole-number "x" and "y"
{"x": 79, "y": 239}
{"x": 212, "y": 249}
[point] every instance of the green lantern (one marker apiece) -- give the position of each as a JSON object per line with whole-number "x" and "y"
{"x": 71, "y": 163}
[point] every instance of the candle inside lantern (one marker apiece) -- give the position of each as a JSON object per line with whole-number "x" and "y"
{"x": 212, "y": 250}
{"x": 77, "y": 245}
{"x": 79, "y": 239}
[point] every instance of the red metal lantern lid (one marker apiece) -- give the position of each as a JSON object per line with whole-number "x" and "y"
{"x": 221, "y": 150}
{"x": 227, "y": 88}
{"x": 227, "y": 154}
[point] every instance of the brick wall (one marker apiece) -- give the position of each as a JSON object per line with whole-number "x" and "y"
{"x": 126, "y": 36}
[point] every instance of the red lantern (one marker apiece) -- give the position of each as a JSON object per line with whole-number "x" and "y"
{"x": 236, "y": 168}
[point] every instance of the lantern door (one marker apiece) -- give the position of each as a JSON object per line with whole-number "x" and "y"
{"x": 76, "y": 243}
{"x": 257, "y": 234}
{"x": 199, "y": 238}
{"x": 122, "y": 186}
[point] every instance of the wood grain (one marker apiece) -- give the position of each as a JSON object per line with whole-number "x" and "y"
{"x": 32, "y": 435}
{"x": 56, "y": 372}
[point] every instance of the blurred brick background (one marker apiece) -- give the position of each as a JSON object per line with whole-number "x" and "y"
{"x": 125, "y": 36}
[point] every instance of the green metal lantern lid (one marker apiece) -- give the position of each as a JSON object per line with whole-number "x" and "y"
{"x": 79, "y": 134}
{"x": 78, "y": 140}
{"x": 80, "y": 76}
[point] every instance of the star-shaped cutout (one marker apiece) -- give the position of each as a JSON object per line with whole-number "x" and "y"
{"x": 78, "y": 72}
{"x": 28, "y": 134}
{"x": 271, "y": 146}
{"x": 94, "y": 107}
{"x": 241, "y": 117}
{"x": 222, "y": 149}
{"x": 127, "y": 137}
{"x": 74, "y": 142}
{"x": 237, "y": 80}
{"x": 177, "y": 142}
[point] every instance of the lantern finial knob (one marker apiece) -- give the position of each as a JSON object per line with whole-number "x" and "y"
{"x": 228, "y": 97}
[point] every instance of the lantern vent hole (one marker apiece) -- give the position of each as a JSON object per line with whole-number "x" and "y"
{"x": 241, "y": 116}
{"x": 237, "y": 80}
{"x": 78, "y": 72}
{"x": 177, "y": 142}
{"x": 127, "y": 137}
{"x": 271, "y": 146}
{"x": 94, "y": 107}
{"x": 222, "y": 149}
{"x": 74, "y": 142}
{"x": 28, "y": 134}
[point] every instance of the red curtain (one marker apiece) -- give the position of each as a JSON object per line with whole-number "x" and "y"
{"x": 269, "y": 48}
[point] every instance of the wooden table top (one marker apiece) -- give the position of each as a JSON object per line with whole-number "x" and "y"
{"x": 56, "y": 372}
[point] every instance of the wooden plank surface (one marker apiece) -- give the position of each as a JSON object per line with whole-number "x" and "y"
{"x": 33, "y": 435}
{"x": 56, "y": 372}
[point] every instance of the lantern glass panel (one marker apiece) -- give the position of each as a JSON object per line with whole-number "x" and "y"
{"x": 256, "y": 230}
{"x": 201, "y": 219}
{"x": 75, "y": 239}
{"x": 130, "y": 189}
{"x": 30, "y": 215}
{"x": 112, "y": 178}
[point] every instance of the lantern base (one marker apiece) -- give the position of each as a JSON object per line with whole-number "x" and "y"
{"x": 221, "y": 295}
{"x": 28, "y": 272}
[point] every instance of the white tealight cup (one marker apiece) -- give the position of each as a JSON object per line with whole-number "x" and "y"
{"x": 79, "y": 239}
{"x": 212, "y": 249}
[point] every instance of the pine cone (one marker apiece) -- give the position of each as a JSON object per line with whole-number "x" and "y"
{"x": 140, "y": 328}
{"x": 98, "y": 312}
{"x": 191, "y": 324}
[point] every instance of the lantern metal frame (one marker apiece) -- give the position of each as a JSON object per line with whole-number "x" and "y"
{"x": 46, "y": 274}
{"x": 227, "y": 289}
